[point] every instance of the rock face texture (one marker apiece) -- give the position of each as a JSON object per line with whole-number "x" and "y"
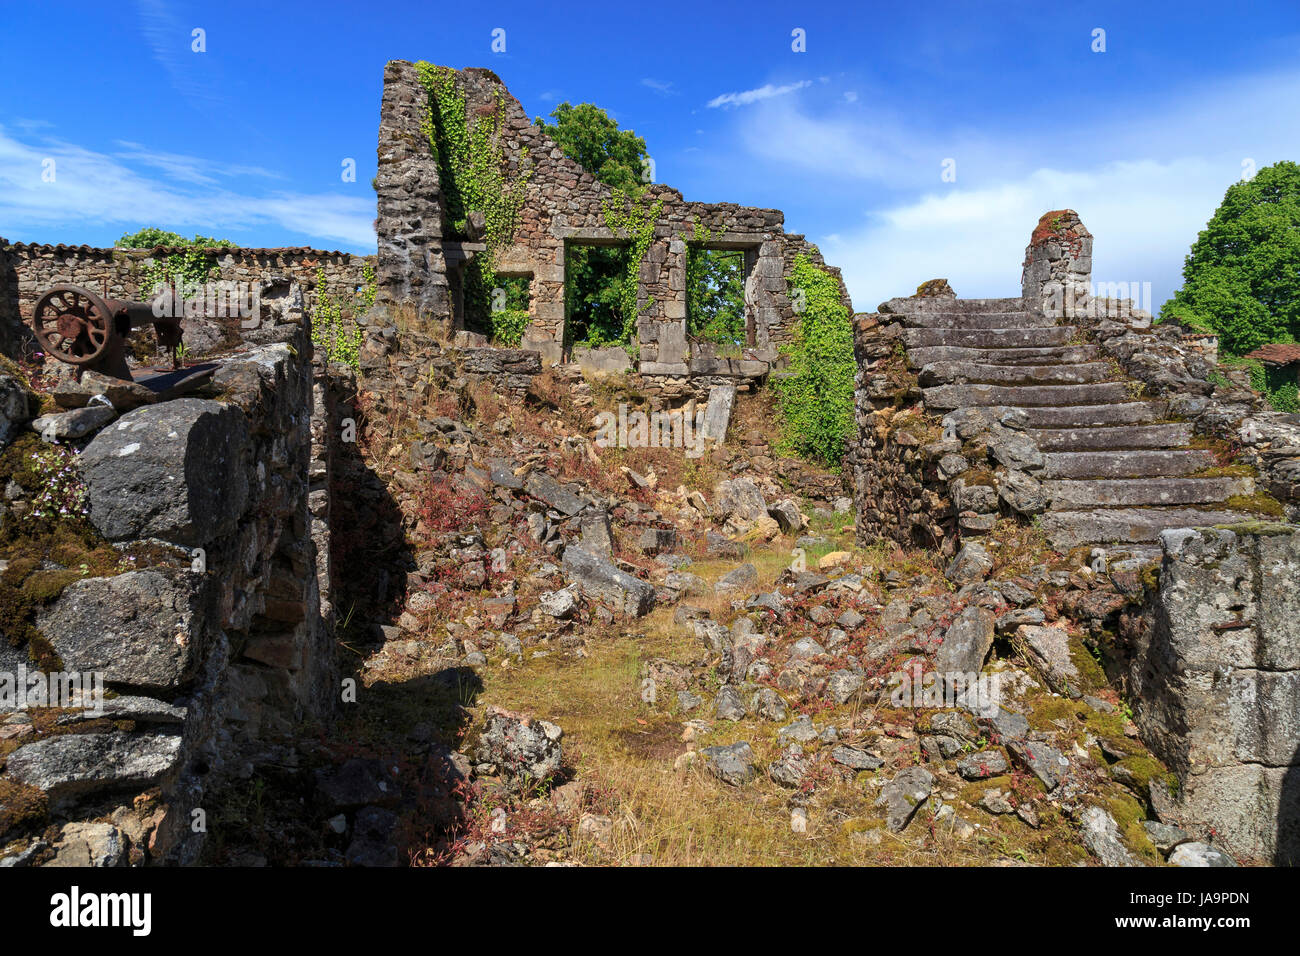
{"x": 221, "y": 636}
{"x": 1217, "y": 678}
{"x": 178, "y": 471}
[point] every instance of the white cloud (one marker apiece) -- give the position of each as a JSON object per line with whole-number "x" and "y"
{"x": 1144, "y": 179}
{"x": 765, "y": 92}
{"x": 100, "y": 189}
{"x": 1143, "y": 216}
{"x": 659, "y": 86}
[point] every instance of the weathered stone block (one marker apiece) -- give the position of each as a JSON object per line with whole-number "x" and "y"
{"x": 143, "y": 628}
{"x": 175, "y": 471}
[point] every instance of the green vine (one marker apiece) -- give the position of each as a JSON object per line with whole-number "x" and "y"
{"x": 185, "y": 271}
{"x": 816, "y": 396}
{"x": 474, "y": 177}
{"x": 333, "y": 321}
{"x": 629, "y": 214}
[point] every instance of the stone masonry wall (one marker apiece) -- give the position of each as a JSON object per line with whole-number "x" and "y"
{"x": 1215, "y": 676}
{"x": 563, "y": 205}
{"x": 1057, "y": 275}
{"x": 220, "y": 643}
{"x": 286, "y": 280}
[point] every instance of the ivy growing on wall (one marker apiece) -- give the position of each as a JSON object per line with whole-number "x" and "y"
{"x": 816, "y": 397}
{"x": 333, "y": 321}
{"x": 630, "y": 213}
{"x": 474, "y": 177}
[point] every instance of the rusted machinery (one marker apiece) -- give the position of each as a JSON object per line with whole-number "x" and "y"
{"x": 89, "y": 331}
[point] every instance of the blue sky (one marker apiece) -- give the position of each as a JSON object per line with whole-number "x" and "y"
{"x": 246, "y": 140}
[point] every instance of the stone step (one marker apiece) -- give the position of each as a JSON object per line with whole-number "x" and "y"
{"x": 978, "y": 320}
{"x": 1140, "y": 463}
{"x": 913, "y": 306}
{"x": 990, "y": 338}
{"x": 1106, "y": 526}
{"x": 1045, "y": 355}
{"x": 947, "y": 397}
{"x": 1112, "y": 437}
{"x": 1087, "y": 416}
{"x": 1134, "y": 492}
{"x": 1083, "y": 373}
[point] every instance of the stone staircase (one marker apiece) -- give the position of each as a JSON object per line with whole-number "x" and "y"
{"x": 1117, "y": 471}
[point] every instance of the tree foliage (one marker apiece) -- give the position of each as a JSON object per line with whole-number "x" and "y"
{"x": 591, "y": 138}
{"x": 715, "y": 292}
{"x": 151, "y": 237}
{"x": 600, "y": 282}
{"x": 1242, "y": 277}
{"x": 816, "y": 396}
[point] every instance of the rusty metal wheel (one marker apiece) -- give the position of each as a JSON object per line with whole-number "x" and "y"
{"x": 73, "y": 324}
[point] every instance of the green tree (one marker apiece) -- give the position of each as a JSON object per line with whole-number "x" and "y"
{"x": 151, "y": 237}
{"x": 1242, "y": 277}
{"x": 591, "y": 138}
{"x": 715, "y": 292}
{"x": 600, "y": 282}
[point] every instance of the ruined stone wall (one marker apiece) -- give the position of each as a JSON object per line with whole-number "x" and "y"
{"x": 218, "y": 642}
{"x": 891, "y": 457}
{"x": 1214, "y": 674}
{"x": 564, "y": 205}
{"x": 285, "y": 280}
{"x": 1057, "y": 273}
{"x": 412, "y": 265}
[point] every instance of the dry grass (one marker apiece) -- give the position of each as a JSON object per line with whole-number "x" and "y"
{"x": 624, "y": 751}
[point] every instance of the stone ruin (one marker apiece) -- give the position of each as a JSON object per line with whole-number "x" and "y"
{"x": 421, "y": 260}
{"x": 237, "y": 648}
{"x": 1074, "y": 412}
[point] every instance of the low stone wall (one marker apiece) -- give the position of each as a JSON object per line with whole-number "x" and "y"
{"x": 285, "y": 280}
{"x": 219, "y": 644}
{"x": 895, "y": 482}
{"x": 1214, "y": 676}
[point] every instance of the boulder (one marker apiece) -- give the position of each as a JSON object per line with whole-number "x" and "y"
{"x": 717, "y": 413}
{"x": 17, "y": 406}
{"x": 966, "y": 642}
{"x": 71, "y": 765}
{"x": 789, "y": 769}
{"x": 733, "y": 764}
{"x": 1101, "y": 835}
{"x": 545, "y": 488}
{"x": 78, "y": 423}
{"x": 742, "y": 578}
{"x": 788, "y": 516}
{"x": 972, "y": 563}
{"x": 739, "y": 501}
{"x": 603, "y": 582}
{"x": 90, "y": 844}
{"x": 1022, "y": 492}
{"x": 175, "y": 471}
{"x": 902, "y": 796}
{"x": 517, "y": 745}
{"x": 146, "y": 629}
{"x": 1048, "y": 649}
{"x": 122, "y": 395}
